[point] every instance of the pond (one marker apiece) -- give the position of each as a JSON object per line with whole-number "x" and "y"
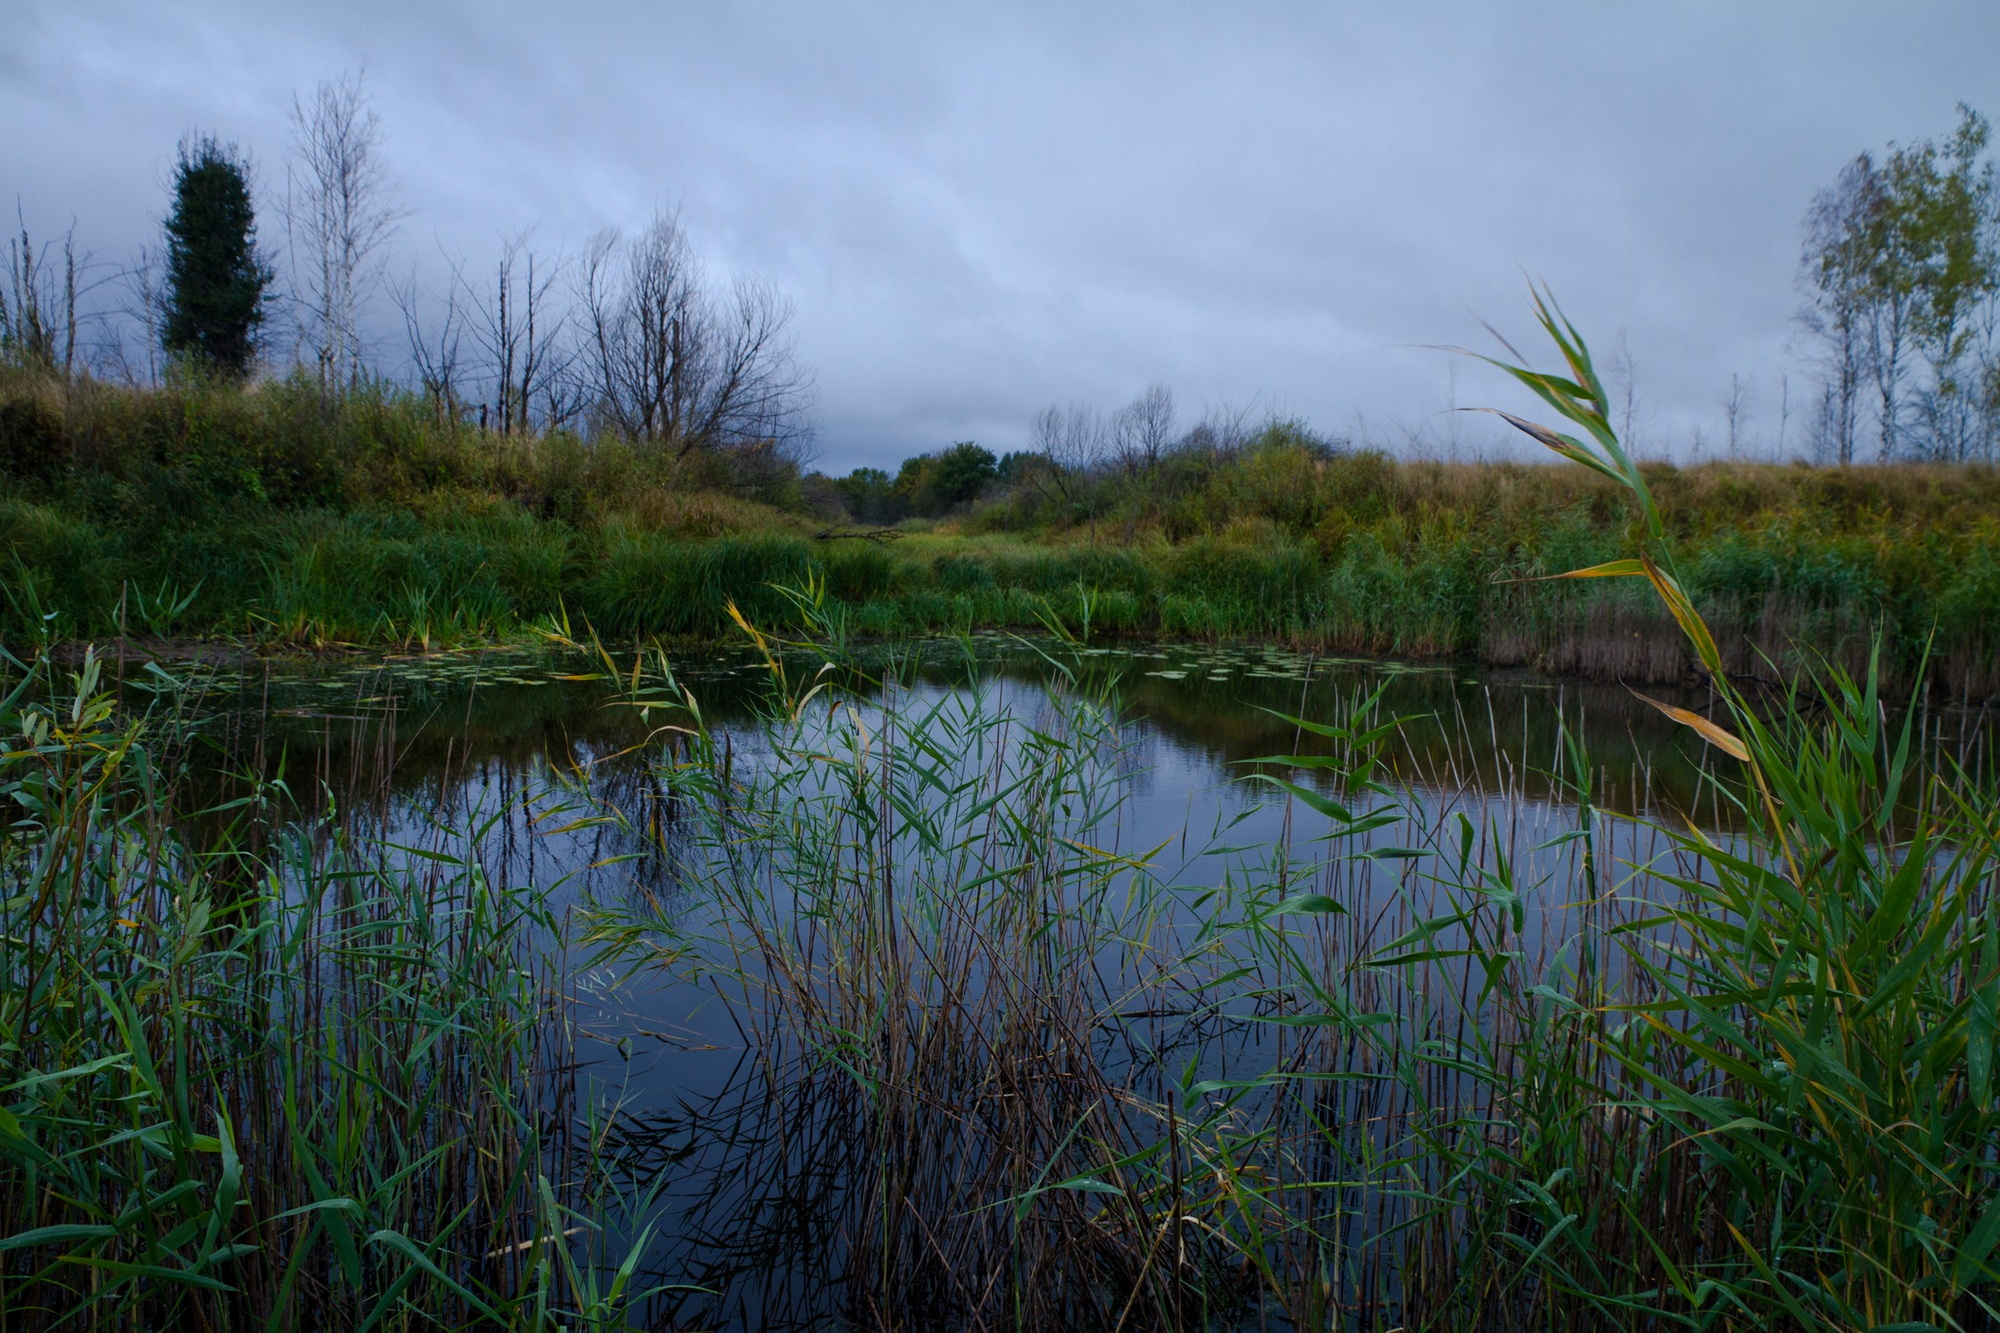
{"x": 910, "y": 993}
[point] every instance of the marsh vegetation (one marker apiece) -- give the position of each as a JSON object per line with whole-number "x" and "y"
{"x": 812, "y": 988}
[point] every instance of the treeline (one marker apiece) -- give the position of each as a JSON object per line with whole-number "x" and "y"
{"x": 611, "y": 439}
{"x": 1137, "y": 463}
{"x": 282, "y": 518}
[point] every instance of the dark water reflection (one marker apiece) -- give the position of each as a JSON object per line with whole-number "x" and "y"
{"x": 755, "y": 1161}
{"x": 375, "y": 729}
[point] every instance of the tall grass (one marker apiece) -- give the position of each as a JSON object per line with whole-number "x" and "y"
{"x": 1752, "y": 1086}
{"x": 1431, "y": 1057}
{"x": 313, "y": 1084}
{"x": 915, "y": 915}
{"x": 1813, "y": 1018}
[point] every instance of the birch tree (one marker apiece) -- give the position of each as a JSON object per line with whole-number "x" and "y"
{"x": 338, "y": 223}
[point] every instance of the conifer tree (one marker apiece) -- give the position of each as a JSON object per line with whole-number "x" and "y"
{"x": 215, "y": 278}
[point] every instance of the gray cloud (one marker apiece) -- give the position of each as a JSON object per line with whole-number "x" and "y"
{"x": 979, "y": 212}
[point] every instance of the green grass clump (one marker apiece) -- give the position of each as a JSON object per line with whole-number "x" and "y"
{"x": 1781, "y": 1112}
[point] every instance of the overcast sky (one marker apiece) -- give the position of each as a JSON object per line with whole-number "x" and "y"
{"x": 982, "y": 210}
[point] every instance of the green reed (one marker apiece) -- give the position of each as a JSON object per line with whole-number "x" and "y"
{"x": 1819, "y": 1026}
{"x": 307, "y": 1085}
{"x": 1753, "y": 1089}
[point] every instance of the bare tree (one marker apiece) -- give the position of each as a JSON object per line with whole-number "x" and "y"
{"x": 523, "y": 339}
{"x": 670, "y": 364}
{"x": 434, "y": 343}
{"x": 1224, "y": 431}
{"x": 1143, "y": 428}
{"x": 143, "y": 311}
{"x": 1625, "y": 390}
{"x": 337, "y": 222}
{"x": 1736, "y": 405}
{"x": 66, "y": 313}
{"x": 645, "y": 331}
{"x": 38, "y": 319}
{"x": 1073, "y": 439}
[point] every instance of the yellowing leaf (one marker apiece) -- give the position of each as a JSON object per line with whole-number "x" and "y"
{"x": 1682, "y": 607}
{"x": 1610, "y": 569}
{"x": 1714, "y": 735}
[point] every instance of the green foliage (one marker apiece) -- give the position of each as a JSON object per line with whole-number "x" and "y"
{"x": 645, "y": 585}
{"x": 33, "y": 449}
{"x": 215, "y": 280}
{"x": 951, "y": 477}
{"x": 1805, "y": 1012}
{"x": 928, "y": 485}
{"x": 870, "y": 497}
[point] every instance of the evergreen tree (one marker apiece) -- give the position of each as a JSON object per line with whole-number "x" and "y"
{"x": 215, "y": 277}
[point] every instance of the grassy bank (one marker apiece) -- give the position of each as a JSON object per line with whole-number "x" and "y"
{"x": 270, "y": 514}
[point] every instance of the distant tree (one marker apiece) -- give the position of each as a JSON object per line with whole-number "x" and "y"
{"x": 1622, "y": 373}
{"x": 1144, "y": 428}
{"x": 1220, "y": 434}
{"x": 957, "y": 475}
{"x": 1073, "y": 440}
{"x": 868, "y": 493}
{"x": 929, "y": 485}
{"x": 337, "y": 219}
{"x": 436, "y": 337}
{"x": 1014, "y": 468}
{"x": 1836, "y": 275}
{"x": 1942, "y": 201}
{"x": 215, "y": 279}
{"x": 1736, "y": 409}
{"x": 527, "y": 355}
